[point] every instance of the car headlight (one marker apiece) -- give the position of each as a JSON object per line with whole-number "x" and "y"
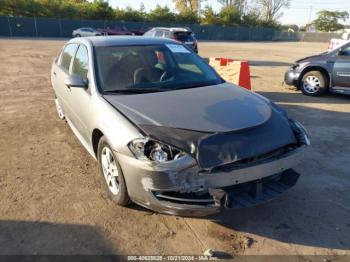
{"x": 300, "y": 132}
{"x": 150, "y": 149}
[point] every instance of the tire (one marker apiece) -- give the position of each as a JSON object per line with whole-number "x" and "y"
{"x": 313, "y": 83}
{"x": 77, "y": 35}
{"x": 119, "y": 193}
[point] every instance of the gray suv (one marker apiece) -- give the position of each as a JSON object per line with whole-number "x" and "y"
{"x": 181, "y": 34}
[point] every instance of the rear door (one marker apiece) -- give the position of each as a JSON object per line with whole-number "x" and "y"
{"x": 59, "y": 72}
{"x": 79, "y": 98}
{"x": 341, "y": 69}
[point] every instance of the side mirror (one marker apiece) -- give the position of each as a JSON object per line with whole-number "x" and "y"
{"x": 75, "y": 81}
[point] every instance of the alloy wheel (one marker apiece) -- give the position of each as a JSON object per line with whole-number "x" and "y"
{"x": 110, "y": 170}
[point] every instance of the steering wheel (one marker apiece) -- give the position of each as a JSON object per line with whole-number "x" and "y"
{"x": 167, "y": 74}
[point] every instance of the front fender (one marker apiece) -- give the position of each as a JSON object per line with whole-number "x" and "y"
{"x": 324, "y": 67}
{"x": 117, "y": 129}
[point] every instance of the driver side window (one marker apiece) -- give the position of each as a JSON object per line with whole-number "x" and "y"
{"x": 81, "y": 62}
{"x": 345, "y": 51}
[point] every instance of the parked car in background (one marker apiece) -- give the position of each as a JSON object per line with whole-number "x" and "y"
{"x": 315, "y": 75}
{"x": 168, "y": 132}
{"x": 116, "y": 30}
{"x": 335, "y": 43}
{"x": 181, "y": 34}
{"x": 85, "y": 31}
{"x": 140, "y": 31}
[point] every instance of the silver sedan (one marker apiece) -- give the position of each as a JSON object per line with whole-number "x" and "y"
{"x": 85, "y": 31}
{"x": 168, "y": 132}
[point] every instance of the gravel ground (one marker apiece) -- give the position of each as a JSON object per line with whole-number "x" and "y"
{"x": 51, "y": 200}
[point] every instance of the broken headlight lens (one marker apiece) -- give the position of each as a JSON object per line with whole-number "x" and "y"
{"x": 300, "y": 132}
{"x": 149, "y": 149}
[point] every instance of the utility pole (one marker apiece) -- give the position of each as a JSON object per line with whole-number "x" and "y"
{"x": 199, "y": 7}
{"x": 310, "y": 14}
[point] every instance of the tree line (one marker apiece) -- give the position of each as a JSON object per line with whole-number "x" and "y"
{"x": 232, "y": 12}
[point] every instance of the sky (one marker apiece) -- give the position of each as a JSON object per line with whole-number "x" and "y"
{"x": 300, "y": 11}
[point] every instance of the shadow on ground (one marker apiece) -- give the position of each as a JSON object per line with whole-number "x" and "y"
{"x": 268, "y": 63}
{"x": 28, "y": 238}
{"x": 316, "y": 212}
{"x": 298, "y": 97}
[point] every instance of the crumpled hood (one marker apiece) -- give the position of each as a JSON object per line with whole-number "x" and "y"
{"x": 219, "y": 108}
{"x": 216, "y": 124}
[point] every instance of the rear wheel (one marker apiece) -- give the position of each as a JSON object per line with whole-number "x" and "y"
{"x": 313, "y": 83}
{"x": 111, "y": 174}
{"x": 77, "y": 35}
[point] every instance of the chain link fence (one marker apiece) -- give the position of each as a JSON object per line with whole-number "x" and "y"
{"x": 56, "y": 27}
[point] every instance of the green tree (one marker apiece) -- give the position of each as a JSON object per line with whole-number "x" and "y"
{"x": 209, "y": 17}
{"x": 161, "y": 14}
{"x": 188, "y": 16}
{"x": 239, "y": 4}
{"x": 229, "y": 15}
{"x": 19, "y": 7}
{"x": 328, "y": 21}
{"x": 252, "y": 18}
{"x": 101, "y": 10}
{"x": 129, "y": 14}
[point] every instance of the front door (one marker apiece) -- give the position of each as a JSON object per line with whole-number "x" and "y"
{"x": 341, "y": 69}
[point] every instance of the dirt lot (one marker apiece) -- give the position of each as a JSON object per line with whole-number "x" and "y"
{"x": 51, "y": 201}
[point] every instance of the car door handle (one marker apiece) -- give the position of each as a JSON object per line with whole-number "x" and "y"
{"x": 54, "y": 73}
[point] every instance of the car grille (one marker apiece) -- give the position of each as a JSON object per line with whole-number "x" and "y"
{"x": 253, "y": 160}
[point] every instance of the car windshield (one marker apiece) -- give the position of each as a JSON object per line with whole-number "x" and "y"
{"x": 152, "y": 68}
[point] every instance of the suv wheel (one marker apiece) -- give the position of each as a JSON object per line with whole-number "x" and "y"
{"x": 313, "y": 83}
{"x": 111, "y": 174}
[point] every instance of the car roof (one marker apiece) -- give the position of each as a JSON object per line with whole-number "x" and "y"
{"x": 174, "y": 29}
{"x": 122, "y": 40}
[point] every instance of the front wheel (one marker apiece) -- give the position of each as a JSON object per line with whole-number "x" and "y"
{"x": 313, "y": 83}
{"x": 111, "y": 174}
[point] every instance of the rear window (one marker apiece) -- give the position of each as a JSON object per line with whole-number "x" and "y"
{"x": 159, "y": 33}
{"x": 184, "y": 36}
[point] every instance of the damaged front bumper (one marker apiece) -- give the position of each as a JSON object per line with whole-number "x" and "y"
{"x": 182, "y": 188}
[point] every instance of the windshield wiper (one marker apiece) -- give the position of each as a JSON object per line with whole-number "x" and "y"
{"x": 200, "y": 84}
{"x": 135, "y": 90}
